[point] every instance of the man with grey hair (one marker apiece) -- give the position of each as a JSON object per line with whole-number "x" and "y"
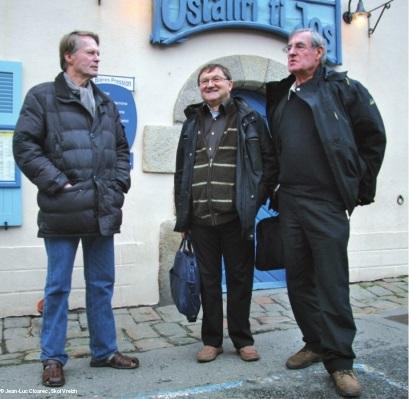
{"x": 329, "y": 143}
{"x": 70, "y": 143}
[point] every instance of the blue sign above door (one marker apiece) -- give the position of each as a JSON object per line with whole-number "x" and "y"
{"x": 175, "y": 20}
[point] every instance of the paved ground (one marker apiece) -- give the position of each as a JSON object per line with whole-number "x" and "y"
{"x": 167, "y": 344}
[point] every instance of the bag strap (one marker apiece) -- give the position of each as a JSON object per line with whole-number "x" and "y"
{"x": 186, "y": 245}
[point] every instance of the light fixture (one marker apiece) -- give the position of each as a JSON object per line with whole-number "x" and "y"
{"x": 360, "y": 10}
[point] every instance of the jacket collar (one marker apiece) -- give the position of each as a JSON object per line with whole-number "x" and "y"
{"x": 64, "y": 93}
{"x": 281, "y": 87}
{"x": 235, "y": 101}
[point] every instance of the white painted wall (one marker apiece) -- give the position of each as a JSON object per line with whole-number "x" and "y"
{"x": 30, "y": 31}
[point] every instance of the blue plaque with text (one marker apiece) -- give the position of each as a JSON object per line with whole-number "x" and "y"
{"x": 175, "y": 20}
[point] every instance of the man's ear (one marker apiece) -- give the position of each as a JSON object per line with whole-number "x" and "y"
{"x": 68, "y": 58}
{"x": 320, "y": 52}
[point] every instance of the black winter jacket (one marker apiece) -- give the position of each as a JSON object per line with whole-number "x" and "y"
{"x": 253, "y": 170}
{"x": 350, "y": 128}
{"x": 57, "y": 141}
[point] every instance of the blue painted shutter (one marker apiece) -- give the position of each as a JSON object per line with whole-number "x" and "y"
{"x": 10, "y": 104}
{"x": 10, "y": 92}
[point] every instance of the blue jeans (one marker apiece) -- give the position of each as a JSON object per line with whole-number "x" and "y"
{"x": 99, "y": 273}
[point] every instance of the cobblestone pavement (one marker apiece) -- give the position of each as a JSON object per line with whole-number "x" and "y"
{"x": 147, "y": 328}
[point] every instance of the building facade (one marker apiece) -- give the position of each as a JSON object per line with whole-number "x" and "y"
{"x": 133, "y": 36}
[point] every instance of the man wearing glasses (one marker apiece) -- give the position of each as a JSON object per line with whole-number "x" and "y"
{"x": 329, "y": 140}
{"x": 223, "y": 167}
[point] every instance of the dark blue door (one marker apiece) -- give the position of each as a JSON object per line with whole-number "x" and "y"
{"x": 274, "y": 278}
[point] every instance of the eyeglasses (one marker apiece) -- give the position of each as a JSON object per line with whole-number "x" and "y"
{"x": 215, "y": 80}
{"x": 297, "y": 46}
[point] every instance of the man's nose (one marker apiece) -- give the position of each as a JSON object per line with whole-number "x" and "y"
{"x": 291, "y": 50}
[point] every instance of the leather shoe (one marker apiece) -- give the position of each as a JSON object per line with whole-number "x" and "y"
{"x": 53, "y": 374}
{"x": 347, "y": 383}
{"x": 208, "y": 353}
{"x": 303, "y": 358}
{"x": 248, "y": 353}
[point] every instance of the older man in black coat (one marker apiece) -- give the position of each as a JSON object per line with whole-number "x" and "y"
{"x": 330, "y": 141}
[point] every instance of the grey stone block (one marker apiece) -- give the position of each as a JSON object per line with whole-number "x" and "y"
{"x": 361, "y": 294}
{"x": 73, "y": 342}
{"x": 82, "y": 319}
{"x": 16, "y": 333}
{"x": 159, "y": 148}
{"x": 170, "y": 329}
{"x": 195, "y": 330}
{"x": 182, "y": 340}
{"x": 120, "y": 311}
{"x": 394, "y": 288}
{"x": 11, "y": 356}
{"x": 32, "y": 356}
{"x": 35, "y": 327}
{"x": 402, "y": 285}
{"x": 73, "y": 315}
{"x": 396, "y": 299}
{"x": 378, "y": 290}
{"x": 21, "y": 344}
{"x": 78, "y": 351}
{"x": 152, "y": 343}
{"x": 126, "y": 346}
{"x": 273, "y": 307}
{"x": 124, "y": 320}
{"x": 144, "y": 313}
{"x": 141, "y": 330}
{"x": 11, "y": 362}
{"x": 255, "y": 307}
{"x": 189, "y": 94}
{"x": 381, "y": 304}
{"x": 17, "y": 322}
{"x": 74, "y": 330}
{"x": 254, "y": 71}
{"x": 275, "y": 71}
{"x": 261, "y": 328}
{"x": 170, "y": 314}
{"x": 169, "y": 242}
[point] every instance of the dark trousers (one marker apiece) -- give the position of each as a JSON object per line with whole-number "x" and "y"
{"x": 315, "y": 238}
{"x": 210, "y": 244}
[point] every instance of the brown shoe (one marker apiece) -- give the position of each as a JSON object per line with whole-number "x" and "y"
{"x": 248, "y": 353}
{"x": 117, "y": 361}
{"x": 303, "y": 358}
{"x": 208, "y": 353}
{"x": 53, "y": 374}
{"x": 347, "y": 383}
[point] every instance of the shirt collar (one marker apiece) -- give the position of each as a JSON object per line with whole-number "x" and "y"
{"x": 294, "y": 88}
{"x": 225, "y": 108}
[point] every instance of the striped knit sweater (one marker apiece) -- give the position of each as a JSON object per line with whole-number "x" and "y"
{"x": 213, "y": 183}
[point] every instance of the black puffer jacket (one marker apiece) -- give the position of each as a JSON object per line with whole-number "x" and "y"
{"x": 57, "y": 141}
{"x": 350, "y": 128}
{"x": 254, "y": 167}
